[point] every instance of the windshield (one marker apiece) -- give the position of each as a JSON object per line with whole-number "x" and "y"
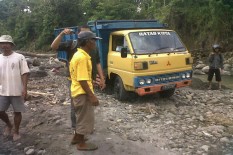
{"x": 149, "y": 42}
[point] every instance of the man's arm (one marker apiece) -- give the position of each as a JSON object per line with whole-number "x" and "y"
{"x": 101, "y": 74}
{"x": 25, "y": 82}
{"x": 91, "y": 96}
{"x": 221, "y": 61}
{"x": 100, "y": 71}
{"x": 55, "y": 44}
{"x": 211, "y": 57}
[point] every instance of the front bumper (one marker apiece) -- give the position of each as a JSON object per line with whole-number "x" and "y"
{"x": 157, "y": 88}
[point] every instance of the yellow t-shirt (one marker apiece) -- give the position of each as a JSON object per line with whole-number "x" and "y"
{"x": 80, "y": 70}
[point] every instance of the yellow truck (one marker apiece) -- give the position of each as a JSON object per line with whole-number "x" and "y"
{"x": 142, "y": 56}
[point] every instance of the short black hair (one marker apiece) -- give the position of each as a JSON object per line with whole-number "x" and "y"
{"x": 83, "y": 26}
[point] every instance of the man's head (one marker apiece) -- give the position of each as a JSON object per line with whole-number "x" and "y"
{"x": 87, "y": 39}
{"x": 84, "y": 28}
{"x": 216, "y": 48}
{"x": 6, "y": 43}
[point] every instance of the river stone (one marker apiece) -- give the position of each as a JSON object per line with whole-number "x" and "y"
{"x": 230, "y": 129}
{"x": 29, "y": 61}
{"x": 205, "y": 69}
{"x": 198, "y": 72}
{"x": 226, "y": 72}
{"x": 36, "y": 62}
{"x": 224, "y": 140}
{"x": 30, "y": 152}
{"x": 205, "y": 147}
{"x": 230, "y": 60}
{"x": 227, "y": 67}
{"x": 200, "y": 66}
{"x": 200, "y": 62}
{"x": 28, "y": 148}
{"x": 41, "y": 152}
{"x": 34, "y": 73}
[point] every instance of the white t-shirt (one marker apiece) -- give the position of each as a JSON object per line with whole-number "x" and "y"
{"x": 11, "y": 69}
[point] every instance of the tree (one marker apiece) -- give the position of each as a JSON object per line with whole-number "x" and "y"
{"x": 110, "y": 9}
{"x": 32, "y": 22}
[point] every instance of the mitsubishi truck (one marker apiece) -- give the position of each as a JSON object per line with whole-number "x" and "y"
{"x": 142, "y": 56}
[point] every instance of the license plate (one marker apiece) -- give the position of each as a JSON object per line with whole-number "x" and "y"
{"x": 169, "y": 86}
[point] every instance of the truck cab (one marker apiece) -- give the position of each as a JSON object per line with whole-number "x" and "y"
{"x": 142, "y": 56}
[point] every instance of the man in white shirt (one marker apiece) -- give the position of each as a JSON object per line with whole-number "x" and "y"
{"x": 13, "y": 84}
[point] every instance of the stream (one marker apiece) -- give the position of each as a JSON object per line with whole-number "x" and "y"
{"x": 227, "y": 81}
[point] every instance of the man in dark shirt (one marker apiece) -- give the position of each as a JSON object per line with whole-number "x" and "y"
{"x": 215, "y": 65}
{"x": 71, "y": 47}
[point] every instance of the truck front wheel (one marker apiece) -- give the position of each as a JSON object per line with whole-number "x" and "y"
{"x": 167, "y": 93}
{"x": 119, "y": 91}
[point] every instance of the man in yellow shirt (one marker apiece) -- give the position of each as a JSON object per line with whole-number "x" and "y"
{"x": 82, "y": 89}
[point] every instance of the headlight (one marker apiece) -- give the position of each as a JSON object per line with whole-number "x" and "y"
{"x": 188, "y": 75}
{"x": 140, "y": 65}
{"x": 183, "y": 76}
{"x": 148, "y": 81}
{"x": 141, "y": 81}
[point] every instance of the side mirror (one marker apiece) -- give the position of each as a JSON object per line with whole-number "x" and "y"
{"x": 124, "y": 51}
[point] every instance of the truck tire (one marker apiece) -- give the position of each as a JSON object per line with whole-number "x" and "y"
{"x": 167, "y": 93}
{"x": 109, "y": 87}
{"x": 108, "y": 90}
{"x": 119, "y": 91}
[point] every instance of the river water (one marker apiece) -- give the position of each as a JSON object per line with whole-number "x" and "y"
{"x": 226, "y": 80}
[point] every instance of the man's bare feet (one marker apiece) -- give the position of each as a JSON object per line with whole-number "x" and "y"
{"x": 7, "y": 131}
{"x": 16, "y": 137}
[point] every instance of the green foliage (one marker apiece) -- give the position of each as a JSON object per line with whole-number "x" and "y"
{"x": 207, "y": 21}
{"x": 32, "y": 22}
{"x": 121, "y": 9}
{"x": 199, "y": 22}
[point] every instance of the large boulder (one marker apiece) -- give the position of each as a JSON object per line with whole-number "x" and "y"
{"x": 227, "y": 67}
{"x": 200, "y": 66}
{"x": 198, "y": 72}
{"x": 205, "y": 69}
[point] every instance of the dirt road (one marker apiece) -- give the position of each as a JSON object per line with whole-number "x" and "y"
{"x": 193, "y": 121}
{"x": 46, "y": 129}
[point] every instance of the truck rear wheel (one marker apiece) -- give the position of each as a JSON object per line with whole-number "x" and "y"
{"x": 167, "y": 93}
{"x": 119, "y": 91}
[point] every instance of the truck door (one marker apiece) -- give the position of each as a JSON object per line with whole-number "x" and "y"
{"x": 116, "y": 64}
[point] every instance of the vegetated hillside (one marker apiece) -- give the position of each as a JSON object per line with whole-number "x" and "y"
{"x": 199, "y": 23}
{"x": 203, "y": 23}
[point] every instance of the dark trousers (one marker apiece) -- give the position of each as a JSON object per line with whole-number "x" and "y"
{"x": 72, "y": 115}
{"x": 217, "y": 74}
{"x": 72, "y": 110}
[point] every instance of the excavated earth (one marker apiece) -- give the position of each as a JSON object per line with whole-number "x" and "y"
{"x": 193, "y": 121}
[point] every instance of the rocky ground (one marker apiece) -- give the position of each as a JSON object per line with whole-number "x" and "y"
{"x": 193, "y": 121}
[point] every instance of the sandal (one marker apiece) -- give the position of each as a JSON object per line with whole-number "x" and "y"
{"x": 75, "y": 140}
{"x": 86, "y": 147}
